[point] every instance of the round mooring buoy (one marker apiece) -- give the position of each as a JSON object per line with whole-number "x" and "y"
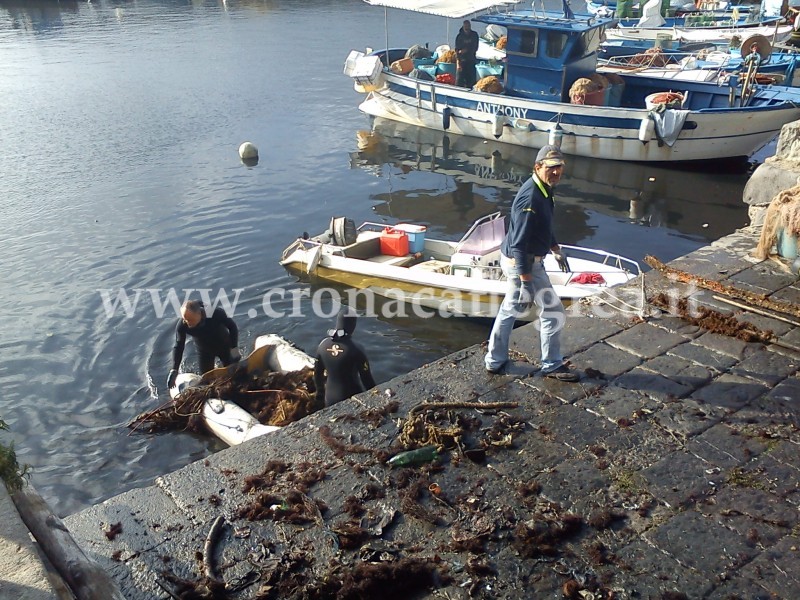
{"x": 248, "y": 151}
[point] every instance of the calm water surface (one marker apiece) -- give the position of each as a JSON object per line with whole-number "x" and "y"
{"x": 120, "y": 124}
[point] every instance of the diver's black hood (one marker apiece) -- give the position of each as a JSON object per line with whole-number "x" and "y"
{"x": 345, "y": 322}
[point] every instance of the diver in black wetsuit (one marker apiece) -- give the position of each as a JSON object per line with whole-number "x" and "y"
{"x": 341, "y": 368}
{"x": 215, "y": 337}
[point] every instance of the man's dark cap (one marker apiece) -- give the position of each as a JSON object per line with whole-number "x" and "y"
{"x": 550, "y": 156}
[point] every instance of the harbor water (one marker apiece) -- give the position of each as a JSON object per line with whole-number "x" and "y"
{"x": 122, "y": 192}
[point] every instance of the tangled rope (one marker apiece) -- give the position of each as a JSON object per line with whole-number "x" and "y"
{"x": 419, "y": 428}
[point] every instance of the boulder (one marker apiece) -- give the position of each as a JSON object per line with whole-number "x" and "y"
{"x": 776, "y": 174}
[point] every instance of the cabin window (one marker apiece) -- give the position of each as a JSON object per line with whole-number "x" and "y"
{"x": 527, "y": 42}
{"x": 556, "y": 42}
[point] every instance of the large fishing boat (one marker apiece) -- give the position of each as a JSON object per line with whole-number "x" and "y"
{"x": 547, "y": 53}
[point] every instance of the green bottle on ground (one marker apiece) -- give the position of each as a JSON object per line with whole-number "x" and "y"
{"x": 419, "y": 456}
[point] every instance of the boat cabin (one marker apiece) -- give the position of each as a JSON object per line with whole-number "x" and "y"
{"x": 546, "y": 53}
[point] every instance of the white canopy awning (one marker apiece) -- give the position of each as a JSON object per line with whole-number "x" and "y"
{"x": 454, "y": 9}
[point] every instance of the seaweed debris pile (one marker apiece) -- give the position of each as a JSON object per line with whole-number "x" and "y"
{"x": 357, "y": 519}
{"x": 273, "y": 398}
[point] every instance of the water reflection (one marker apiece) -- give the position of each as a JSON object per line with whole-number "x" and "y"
{"x": 447, "y": 181}
{"x": 37, "y": 16}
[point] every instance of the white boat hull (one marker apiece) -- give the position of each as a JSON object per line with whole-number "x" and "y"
{"x": 697, "y": 34}
{"x": 445, "y": 280}
{"x": 610, "y": 132}
{"x": 226, "y": 419}
{"x": 231, "y": 423}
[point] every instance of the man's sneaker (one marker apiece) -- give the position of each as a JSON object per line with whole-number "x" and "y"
{"x": 521, "y": 369}
{"x": 563, "y": 373}
{"x": 499, "y": 370}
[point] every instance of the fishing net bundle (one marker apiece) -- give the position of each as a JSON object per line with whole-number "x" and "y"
{"x": 783, "y": 213}
{"x": 614, "y": 79}
{"x": 275, "y": 398}
{"x": 582, "y": 86}
{"x": 448, "y": 56}
{"x": 580, "y": 89}
{"x": 489, "y": 84}
{"x": 652, "y": 57}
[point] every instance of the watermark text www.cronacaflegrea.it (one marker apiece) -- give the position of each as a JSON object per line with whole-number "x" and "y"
{"x": 390, "y": 303}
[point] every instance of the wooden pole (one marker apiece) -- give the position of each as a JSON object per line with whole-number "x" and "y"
{"x": 84, "y": 576}
{"x": 756, "y": 310}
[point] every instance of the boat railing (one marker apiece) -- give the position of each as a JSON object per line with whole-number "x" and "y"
{"x": 300, "y": 244}
{"x": 371, "y": 226}
{"x": 606, "y": 258}
{"x": 675, "y": 60}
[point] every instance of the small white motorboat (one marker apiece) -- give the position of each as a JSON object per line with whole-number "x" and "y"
{"x": 227, "y": 420}
{"x": 453, "y": 277}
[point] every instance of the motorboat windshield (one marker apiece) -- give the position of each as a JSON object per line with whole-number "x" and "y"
{"x": 485, "y": 235}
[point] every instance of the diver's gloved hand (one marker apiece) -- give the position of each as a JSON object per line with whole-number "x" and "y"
{"x": 525, "y": 295}
{"x": 173, "y": 375}
{"x": 236, "y": 356}
{"x": 561, "y": 259}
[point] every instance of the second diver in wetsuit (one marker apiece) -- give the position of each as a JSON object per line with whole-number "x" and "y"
{"x": 341, "y": 368}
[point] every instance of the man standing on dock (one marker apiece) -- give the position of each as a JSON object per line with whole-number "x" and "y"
{"x": 215, "y": 337}
{"x": 529, "y": 238}
{"x": 466, "y": 49}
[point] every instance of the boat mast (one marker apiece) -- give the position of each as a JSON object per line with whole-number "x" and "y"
{"x": 386, "y": 32}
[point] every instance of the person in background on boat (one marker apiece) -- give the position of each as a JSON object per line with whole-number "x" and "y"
{"x": 341, "y": 368}
{"x": 793, "y": 16}
{"x": 529, "y": 238}
{"x": 466, "y": 49}
{"x": 214, "y": 337}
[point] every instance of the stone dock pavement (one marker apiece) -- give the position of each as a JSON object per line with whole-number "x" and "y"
{"x": 671, "y": 471}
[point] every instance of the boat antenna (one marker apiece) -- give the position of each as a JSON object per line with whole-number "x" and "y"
{"x": 386, "y": 32}
{"x": 568, "y": 14}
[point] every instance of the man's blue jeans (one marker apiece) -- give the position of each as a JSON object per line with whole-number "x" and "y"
{"x": 551, "y": 317}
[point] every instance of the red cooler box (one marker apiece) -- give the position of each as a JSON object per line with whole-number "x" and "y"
{"x": 393, "y": 242}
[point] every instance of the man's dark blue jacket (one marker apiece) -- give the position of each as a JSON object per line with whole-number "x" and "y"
{"x": 530, "y": 231}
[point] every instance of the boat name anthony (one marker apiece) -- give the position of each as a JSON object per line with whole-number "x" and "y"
{"x": 500, "y": 109}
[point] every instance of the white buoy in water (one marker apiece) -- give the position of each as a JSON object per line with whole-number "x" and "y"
{"x": 248, "y": 151}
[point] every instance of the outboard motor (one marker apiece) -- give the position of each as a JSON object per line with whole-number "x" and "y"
{"x": 343, "y": 231}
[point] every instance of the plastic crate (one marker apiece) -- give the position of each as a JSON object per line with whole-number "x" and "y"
{"x": 363, "y": 69}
